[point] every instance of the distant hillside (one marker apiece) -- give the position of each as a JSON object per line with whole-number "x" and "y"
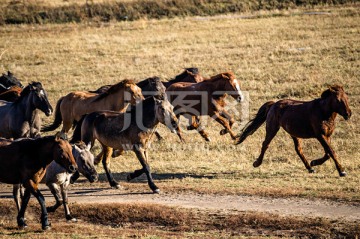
{"x": 18, "y": 12}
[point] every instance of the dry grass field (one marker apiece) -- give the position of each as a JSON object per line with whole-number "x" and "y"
{"x": 287, "y": 56}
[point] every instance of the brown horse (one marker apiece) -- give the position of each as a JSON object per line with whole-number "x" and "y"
{"x": 12, "y": 94}
{"x": 313, "y": 119}
{"x": 24, "y": 161}
{"x": 206, "y": 98}
{"x": 190, "y": 75}
{"x": 127, "y": 131}
{"x": 70, "y": 108}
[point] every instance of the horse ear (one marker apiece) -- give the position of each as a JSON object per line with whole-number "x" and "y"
{"x": 9, "y": 73}
{"x": 225, "y": 76}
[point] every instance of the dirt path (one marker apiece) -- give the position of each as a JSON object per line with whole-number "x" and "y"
{"x": 222, "y": 203}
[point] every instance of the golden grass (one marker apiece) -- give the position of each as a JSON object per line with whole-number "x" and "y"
{"x": 294, "y": 56}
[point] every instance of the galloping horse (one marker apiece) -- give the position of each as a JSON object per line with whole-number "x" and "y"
{"x": 58, "y": 179}
{"x": 24, "y": 162}
{"x": 127, "y": 131}
{"x": 7, "y": 81}
{"x": 73, "y": 106}
{"x": 22, "y": 117}
{"x": 313, "y": 119}
{"x": 206, "y": 98}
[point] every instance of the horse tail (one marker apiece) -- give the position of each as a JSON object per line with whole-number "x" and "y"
{"x": 58, "y": 118}
{"x": 256, "y": 122}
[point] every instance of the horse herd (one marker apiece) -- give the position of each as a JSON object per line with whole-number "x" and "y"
{"x": 124, "y": 116}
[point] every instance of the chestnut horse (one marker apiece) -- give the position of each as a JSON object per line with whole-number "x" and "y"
{"x": 127, "y": 131}
{"x": 302, "y": 120}
{"x": 24, "y": 162}
{"x": 206, "y": 98}
{"x": 70, "y": 108}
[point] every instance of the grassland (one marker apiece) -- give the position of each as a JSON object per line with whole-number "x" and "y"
{"x": 293, "y": 55}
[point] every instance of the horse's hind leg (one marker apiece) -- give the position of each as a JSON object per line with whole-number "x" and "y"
{"x": 231, "y": 120}
{"x": 224, "y": 122}
{"x": 271, "y": 131}
{"x": 107, "y": 151}
{"x": 17, "y": 195}
{"x": 54, "y": 189}
{"x": 328, "y": 150}
{"x": 143, "y": 158}
{"x": 299, "y": 151}
{"x": 320, "y": 161}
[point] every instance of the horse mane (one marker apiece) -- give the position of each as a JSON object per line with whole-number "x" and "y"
{"x": 114, "y": 88}
{"x": 229, "y": 75}
{"x": 332, "y": 88}
{"x": 192, "y": 70}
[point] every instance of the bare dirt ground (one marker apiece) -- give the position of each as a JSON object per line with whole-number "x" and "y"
{"x": 228, "y": 204}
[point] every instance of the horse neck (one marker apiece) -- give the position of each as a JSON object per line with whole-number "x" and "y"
{"x": 119, "y": 99}
{"x": 44, "y": 151}
{"x": 213, "y": 85}
{"x": 328, "y": 112}
{"x": 148, "y": 112}
{"x": 26, "y": 105}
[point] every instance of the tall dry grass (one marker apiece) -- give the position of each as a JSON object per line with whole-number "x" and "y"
{"x": 295, "y": 55}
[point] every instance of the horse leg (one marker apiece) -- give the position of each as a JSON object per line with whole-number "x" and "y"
{"x": 195, "y": 123}
{"x": 74, "y": 177}
{"x": 107, "y": 151}
{"x": 158, "y": 136}
{"x": 17, "y": 195}
{"x": 65, "y": 203}
{"x": 224, "y": 122}
{"x": 143, "y": 158}
{"x": 320, "y": 161}
{"x": 54, "y": 189}
{"x": 21, "y": 214}
{"x": 271, "y": 131}
{"x": 231, "y": 120}
{"x": 99, "y": 157}
{"x": 328, "y": 150}
{"x": 44, "y": 215}
{"x": 299, "y": 151}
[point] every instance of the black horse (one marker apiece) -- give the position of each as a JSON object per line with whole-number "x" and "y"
{"x": 22, "y": 117}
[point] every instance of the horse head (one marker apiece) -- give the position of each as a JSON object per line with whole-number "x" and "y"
{"x": 134, "y": 94}
{"x": 232, "y": 86}
{"x": 85, "y": 161}
{"x": 39, "y": 97}
{"x": 9, "y": 80}
{"x": 165, "y": 114}
{"x": 63, "y": 154}
{"x": 338, "y": 100}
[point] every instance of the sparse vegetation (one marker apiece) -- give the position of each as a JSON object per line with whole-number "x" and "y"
{"x": 294, "y": 55}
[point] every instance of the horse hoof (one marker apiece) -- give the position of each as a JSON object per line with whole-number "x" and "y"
{"x": 311, "y": 170}
{"x": 256, "y": 164}
{"x": 223, "y": 132}
{"x": 46, "y": 227}
{"x": 69, "y": 218}
{"x": 116, "y": 186}
{"x": 157, "y": 191}
{"x": 312, "y": 163}
{"x": 343, "y": 174}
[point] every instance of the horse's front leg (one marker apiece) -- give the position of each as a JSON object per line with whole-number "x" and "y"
{"x": 143, "y": 158}
{"x": 54, "y": 189}
{"x": 107, "y": 152}
{"x": 224, "y": 122}
{"x": 231, "y": 120}
{"x": 21, "y": 214}
{"x": 328, "y": 150}
{"x": 299, "y": 151}
{"x": 66, "y": 203}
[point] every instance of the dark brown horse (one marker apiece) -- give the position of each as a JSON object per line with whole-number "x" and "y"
{"x": 70, "y": 108}
{"x": 313, "y": 119}
{"x": 12, "y": 94}
{"x": 206, "y": 98}
{"x": 7, "y": 81}
{"x": 190, "y": 75}
{"x": 127, "y": 131}
{"x": 24, "y": 162}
